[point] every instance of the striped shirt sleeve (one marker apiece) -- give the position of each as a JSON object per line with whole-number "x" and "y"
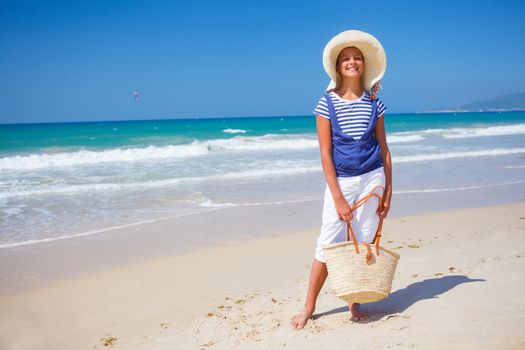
{"x": 322, "y": 108}
{"x": 381, "y": 108}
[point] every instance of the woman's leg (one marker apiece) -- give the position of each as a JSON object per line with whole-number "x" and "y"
{"x": 318, "y": 275}
{"x": 333, "y": 230}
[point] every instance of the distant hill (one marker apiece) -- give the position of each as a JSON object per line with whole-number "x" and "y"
{"x": 509, "y": 102}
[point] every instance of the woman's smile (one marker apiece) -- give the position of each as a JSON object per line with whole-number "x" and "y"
{"x": 350, "y": 62}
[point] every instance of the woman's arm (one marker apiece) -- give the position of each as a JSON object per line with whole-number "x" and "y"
{"x": 324, "y": 133}
{"x": 380, "y": 135}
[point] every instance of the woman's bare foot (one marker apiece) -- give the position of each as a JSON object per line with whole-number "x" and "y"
{"x": 300, "y": 320}
{"x": 356, "y": 311}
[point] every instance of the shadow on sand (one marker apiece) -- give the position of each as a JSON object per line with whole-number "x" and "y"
{"x": 402, "y": 299}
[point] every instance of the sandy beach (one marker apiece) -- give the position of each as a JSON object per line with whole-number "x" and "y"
{"x": 459, "y": 285}
{"x": 164, "y": 167}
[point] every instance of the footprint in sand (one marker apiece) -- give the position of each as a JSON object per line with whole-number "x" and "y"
{"x": 397, "y": 316}
{"x": 204, "y": 346}
{"x": 315, "y": 328}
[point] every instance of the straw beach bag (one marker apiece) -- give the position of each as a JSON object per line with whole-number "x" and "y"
{"x": 358, "y": 273}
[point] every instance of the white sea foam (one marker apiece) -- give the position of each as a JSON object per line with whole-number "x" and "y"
{"x": 234, "y": 131}
{"x": 211, "y": 206}
{"x": 394, "y": 138}
{"x": 500, "y": 130}
{"x": 451, "y": 155}
{"x": 82, "y": 157}
{"x": 458, "y": 133}
{"x": 267, "y": 142}
{"x": 446, "y": 189}
{"x": 208, "y": 204}
{"x": 89, "y": 233}
{"x": 278, "y": 169}
{"x": 283, "y": 168}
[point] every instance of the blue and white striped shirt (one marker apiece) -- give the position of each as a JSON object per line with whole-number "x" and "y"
{"x": 353, "y": 115}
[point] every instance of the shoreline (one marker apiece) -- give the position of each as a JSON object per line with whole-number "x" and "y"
{"x": 126, "y": 225}
{"x": 457, "y": 285}
{"x": 29, "y": 266}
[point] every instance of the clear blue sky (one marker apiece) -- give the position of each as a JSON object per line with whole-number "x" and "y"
{"x": 82, "y": 60}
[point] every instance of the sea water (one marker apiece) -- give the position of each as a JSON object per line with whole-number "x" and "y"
{"x": 66, "y": 180}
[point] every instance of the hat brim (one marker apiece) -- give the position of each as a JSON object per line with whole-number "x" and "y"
{"x": 373, "y": 52}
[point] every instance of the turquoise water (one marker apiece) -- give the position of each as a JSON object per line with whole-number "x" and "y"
{"x": 62, "y": 180}
{"x": 27, "y": 138}
{"x": 100, "y": 135}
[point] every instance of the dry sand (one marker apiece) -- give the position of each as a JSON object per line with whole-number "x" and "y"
{"x": 460, "y": 284}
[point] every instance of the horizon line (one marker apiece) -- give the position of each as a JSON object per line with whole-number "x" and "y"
{"x": 253, "y": 116}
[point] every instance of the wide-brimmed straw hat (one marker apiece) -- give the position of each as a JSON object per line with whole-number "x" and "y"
{"x": 373, "y": 52}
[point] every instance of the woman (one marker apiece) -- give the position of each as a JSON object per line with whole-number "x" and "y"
{"x": 354, "y": 152}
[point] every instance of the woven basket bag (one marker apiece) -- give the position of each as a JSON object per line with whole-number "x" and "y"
{"x": 358, "y": 273}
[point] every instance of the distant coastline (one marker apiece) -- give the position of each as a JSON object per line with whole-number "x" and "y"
{"x": 443, "y": 111}
{"x": 503, "y": 103}
{"x": 480, "y": 110}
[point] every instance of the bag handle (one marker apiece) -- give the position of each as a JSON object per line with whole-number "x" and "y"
{"x": 350, "y": 231}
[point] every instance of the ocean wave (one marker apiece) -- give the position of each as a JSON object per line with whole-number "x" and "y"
{"x": 500, "y": 130}
{"x": 208, "y": 206}
{"x": 82, "y": 157}
{"x": 239, "y": 143}
{"x": 277, "y": 170}
{"x": 89, "y": 233}
{"x": 449, "y": 189}
{"x": 269, "y": 142}
{"x": 451, "y": 155}
{"x": 458, "y": 133}
{"x": 234, "y": 131}
{"x": 402, "y": 138}
{"x": 265, "y": 142}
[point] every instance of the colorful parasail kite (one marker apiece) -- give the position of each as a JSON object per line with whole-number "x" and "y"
{"x": 135, "y": 95}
